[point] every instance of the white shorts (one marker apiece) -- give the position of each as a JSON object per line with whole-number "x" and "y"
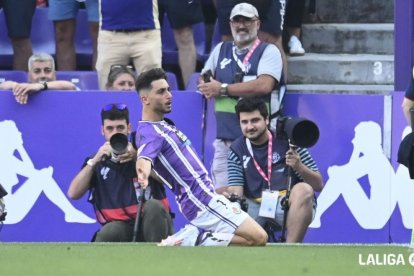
{"x": 220, "y": 216}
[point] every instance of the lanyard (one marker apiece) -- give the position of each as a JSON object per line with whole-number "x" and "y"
{"x": 244, "y": 64}
{"x": 269, "y": 158}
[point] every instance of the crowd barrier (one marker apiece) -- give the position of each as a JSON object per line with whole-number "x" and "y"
{"x": 43, "y": 144}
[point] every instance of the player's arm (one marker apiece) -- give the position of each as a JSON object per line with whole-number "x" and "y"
{"x": 143, "y": 167}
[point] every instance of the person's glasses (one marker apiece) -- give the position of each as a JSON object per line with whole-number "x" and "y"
{"x": 121, "y": 66}
{"x": 245, "y": 22}
{"x": 119, "y": 106}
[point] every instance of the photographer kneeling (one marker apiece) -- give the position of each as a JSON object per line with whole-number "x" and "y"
{"x": 111, "y": 178}
{"x": 258, "y": 165}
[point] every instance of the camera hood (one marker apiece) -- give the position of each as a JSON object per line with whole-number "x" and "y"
{"x": 301, "y": 132}
{"x": 119, "y": 143}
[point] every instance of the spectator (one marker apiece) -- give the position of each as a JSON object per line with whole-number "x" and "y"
{"x": 19, "y": 16}
{"x": 293, "y": 22}
{"x": 130, "y": 31}
{"x": 271, "y": 14}
{"x": 121, "y": 78}
{"x": 408, "y": 101}
{"x": 246, "y": 67}
{"x": 42, "y": 76}
{"x": 167, "y": 152}
{"x": 182, "y": 14}
{"x": 258, "y": 162}
{"x": 63, "y": 14}
{"x": 114, "y": 195}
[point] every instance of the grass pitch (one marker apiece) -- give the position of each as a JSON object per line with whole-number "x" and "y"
{"x": 147, "y": 259}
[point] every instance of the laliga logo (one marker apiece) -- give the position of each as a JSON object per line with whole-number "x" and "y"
{"x": 389, "y": 259}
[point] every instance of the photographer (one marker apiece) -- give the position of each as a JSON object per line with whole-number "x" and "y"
{"x": 111, "y": 178}
{"x": 258, "y": 170}
{"x": 243, "y": 68}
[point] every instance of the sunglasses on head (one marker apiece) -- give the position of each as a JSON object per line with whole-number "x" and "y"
{"x": 119, "y": 106}
{"x": 121, "y": 66}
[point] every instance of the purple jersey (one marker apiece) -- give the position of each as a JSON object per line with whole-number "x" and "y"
{"x": 176, "y": 162}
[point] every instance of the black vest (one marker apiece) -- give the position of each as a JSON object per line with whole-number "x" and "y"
{"x": 254, "y": 182}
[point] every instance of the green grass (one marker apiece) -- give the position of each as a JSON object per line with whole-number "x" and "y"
{"x": 147, "y": 259}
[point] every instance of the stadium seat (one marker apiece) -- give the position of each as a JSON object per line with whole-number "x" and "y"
{"x": 42, "y": 37}
{"x": 169, "y": 47}
{"x": 172, "y": 80}
{"x": 193, "y": 81}
{"x": 6, "y": 50}
{"x": 43, "y": 33}
{"x": 83, "y": 40}
{"x": 84, "y": 80}
{"x": 199, "y": 31}
{"x": 17, "y": 76}
{"x": 216, "y": 37}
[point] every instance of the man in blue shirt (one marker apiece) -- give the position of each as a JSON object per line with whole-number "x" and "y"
{"x": 258, "y": 162}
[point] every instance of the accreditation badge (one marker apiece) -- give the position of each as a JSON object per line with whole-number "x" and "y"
{"x": 268, "y": 205}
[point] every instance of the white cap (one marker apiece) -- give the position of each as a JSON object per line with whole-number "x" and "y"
{"x": 244, "y": 9}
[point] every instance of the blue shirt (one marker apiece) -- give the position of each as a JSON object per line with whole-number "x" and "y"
{"x": 129, "y": 14}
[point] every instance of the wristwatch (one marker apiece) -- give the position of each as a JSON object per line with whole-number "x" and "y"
{"x": 91, "y": 163}
{"x": 223, "y": 89}
{"x": 45, "y": 87}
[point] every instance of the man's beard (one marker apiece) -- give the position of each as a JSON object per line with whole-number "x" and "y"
{"x": 259, "y": 136}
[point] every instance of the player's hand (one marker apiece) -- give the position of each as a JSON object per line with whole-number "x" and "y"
{"x": 142, "y": 178}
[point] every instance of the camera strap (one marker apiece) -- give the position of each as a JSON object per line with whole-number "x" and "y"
{"x": 269, "y": 158}
{"x": 244, "y": 66}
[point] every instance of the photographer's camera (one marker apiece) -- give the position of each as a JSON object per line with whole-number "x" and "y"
{"x": 240, "y": 200}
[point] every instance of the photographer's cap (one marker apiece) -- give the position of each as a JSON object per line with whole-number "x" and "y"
{"x": 244, "y": 9}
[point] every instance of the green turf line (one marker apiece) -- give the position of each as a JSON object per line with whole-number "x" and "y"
{"x": 147, "y": 259}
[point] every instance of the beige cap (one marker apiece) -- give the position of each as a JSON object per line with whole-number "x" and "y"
{"x": 244, "y": 9}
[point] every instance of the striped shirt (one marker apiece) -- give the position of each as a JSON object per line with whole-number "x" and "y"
{"x": 243, "y": 172}
{"x": 175, "y": 161}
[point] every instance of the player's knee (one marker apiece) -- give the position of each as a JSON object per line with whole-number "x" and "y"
{"x": 260, "y": 238}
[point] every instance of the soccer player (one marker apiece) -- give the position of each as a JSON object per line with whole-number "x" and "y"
{"x": 165, "y": 152}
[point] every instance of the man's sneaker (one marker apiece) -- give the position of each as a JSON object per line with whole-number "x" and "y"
{"x": 295, "y": 47}
{"x": 187, "y": 236}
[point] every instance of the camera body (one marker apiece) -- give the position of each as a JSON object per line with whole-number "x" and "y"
{"x": 240, "y": 200}
{"x": 207, "y": 75}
